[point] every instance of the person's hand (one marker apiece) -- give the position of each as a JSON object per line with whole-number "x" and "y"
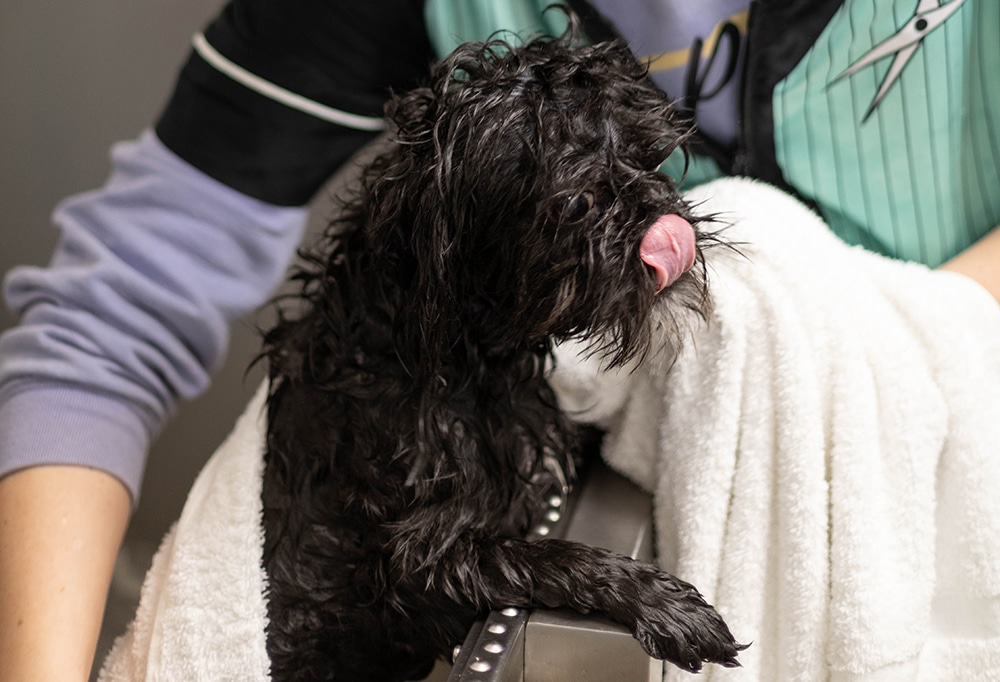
{"x": 980, "y": 262}
{"x": 60, "y": 531}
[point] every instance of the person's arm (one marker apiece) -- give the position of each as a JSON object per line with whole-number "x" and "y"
{"x": 195, "y": 227}
{"x": 980, "y": 262}
{"x": 60, "y": 530}
{"x": 132, "y": 314}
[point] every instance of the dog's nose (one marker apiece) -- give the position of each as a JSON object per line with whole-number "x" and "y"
{"x": 668, "y": 249}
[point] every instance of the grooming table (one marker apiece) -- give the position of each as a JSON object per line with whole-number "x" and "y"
{"x": 517, "y": 645}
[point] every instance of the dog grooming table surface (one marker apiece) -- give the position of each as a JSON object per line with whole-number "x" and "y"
{"x": 516, "y": 645}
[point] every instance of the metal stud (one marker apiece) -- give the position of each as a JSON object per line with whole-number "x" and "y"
{"x": 493, "y": 647}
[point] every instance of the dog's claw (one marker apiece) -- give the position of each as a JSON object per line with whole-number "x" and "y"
{"x": 685, "y": 630}
{"x": 691, "y": 653}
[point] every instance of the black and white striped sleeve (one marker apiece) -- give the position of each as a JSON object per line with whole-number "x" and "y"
{"x": 277, "y": 94}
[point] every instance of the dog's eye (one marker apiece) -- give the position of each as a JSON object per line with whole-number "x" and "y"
{"x": 578, "y": 206}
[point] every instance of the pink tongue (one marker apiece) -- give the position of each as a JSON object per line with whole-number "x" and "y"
{"x": 668, "y": 248}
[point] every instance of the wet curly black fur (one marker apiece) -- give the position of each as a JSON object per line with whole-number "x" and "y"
{"x": 412, "y": 433}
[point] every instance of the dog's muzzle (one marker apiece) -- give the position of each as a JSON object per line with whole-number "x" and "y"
{"x": 668, "y": 249}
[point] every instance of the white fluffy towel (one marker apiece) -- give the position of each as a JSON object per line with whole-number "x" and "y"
{"x": 823, "y": 455}
{"x": 824, "y": 452}
{"x": 202, "y": 609}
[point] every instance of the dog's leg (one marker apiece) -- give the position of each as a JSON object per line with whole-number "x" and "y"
{"x": 667, "y": 616}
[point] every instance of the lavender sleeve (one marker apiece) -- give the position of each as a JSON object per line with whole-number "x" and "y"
{"x": 133, "y": 312}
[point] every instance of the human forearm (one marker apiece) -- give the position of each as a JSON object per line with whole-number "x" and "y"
{"x": 60, "y": 531}
{"x": 980, "y": 262}
{"x": 131, "y": 315}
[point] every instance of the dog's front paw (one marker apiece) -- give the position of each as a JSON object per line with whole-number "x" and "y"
{"x": 675, "y": 623}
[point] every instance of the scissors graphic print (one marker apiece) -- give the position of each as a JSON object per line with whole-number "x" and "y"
{"x": 929, "y": 15}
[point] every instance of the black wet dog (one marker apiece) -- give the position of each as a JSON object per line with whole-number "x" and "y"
{"x": 413, "y": 438}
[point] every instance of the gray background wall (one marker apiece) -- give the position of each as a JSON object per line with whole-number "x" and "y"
{"x": 74, "y": 78}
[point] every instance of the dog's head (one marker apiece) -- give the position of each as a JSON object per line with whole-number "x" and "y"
{"x": 522, "y": 200}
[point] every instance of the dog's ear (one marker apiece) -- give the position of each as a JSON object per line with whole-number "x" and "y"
{"x": 412, "y": 115}
{"x": 433, "y": 180}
